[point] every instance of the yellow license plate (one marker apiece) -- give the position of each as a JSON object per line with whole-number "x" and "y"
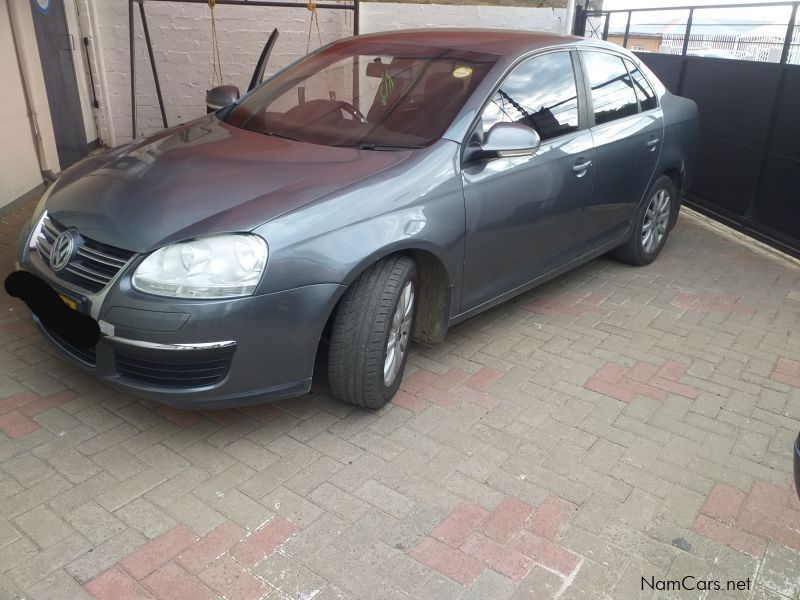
{"x": 71, "y": 303}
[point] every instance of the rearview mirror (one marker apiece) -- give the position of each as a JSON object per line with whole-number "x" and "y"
{"x": 507, "y": 140}
{"x": 221, "y": 96}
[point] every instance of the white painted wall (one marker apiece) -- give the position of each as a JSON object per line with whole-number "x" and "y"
{"x": 19, "y": 167}
{"x": 382, "y": 16}
{"x": 181, "y": 35}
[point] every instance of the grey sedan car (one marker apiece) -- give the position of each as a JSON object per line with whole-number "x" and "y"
{"x": 376, "y": 191}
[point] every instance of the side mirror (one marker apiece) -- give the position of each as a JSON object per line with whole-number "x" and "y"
{"x": 221, "y": 96}
{"x": 507, "y": 140}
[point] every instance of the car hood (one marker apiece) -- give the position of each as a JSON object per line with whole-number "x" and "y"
{"x": 201, "y": 178}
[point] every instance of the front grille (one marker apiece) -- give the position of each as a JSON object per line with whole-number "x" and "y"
{"x": 87, "y": 356}
{"x": 92, "y": 266}
{"x": 174, "y": 374}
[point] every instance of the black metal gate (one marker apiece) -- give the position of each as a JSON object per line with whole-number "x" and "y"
{"x": 748, "y": 173}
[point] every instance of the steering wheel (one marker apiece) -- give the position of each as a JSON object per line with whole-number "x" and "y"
{"x": 351, "y": 110}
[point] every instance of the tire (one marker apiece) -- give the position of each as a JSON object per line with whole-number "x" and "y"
{"x": 640, "y": 249}
{"x": 365, "y": 321}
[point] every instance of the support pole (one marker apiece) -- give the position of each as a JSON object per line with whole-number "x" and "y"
{"x": 787, "y": 41}
{"x": 688, "y": 32}
{"x": 356, "y": 17}
{"x": 152, "y": 63}
{"x": 627, "y": 31}
{"x": 133, "y": 68}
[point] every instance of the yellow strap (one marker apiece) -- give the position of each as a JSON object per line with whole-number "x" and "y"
{"x": 312, "y": 6}
{"x": 216, "y": 62}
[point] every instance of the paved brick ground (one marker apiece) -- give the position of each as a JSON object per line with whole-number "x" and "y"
{"x": 617, "y": 423}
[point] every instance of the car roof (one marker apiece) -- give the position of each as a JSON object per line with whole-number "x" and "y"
{"x": 502, "y": 42}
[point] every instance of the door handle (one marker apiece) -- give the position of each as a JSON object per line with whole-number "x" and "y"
{"x": 653, "y": 143}
{"x": 580, "y": 169}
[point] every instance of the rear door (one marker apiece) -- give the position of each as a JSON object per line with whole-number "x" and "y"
{"x": 627, "y": 129}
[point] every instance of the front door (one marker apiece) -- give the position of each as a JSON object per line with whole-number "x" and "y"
{"x": 57, "y": 49}
{"x": 524, "y": 214}
{"x": 627, "y": 132}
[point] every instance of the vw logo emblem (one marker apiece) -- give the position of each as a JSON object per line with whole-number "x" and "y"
{"x": 62, "y": 250}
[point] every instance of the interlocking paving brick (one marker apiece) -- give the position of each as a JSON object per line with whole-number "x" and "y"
{"x": 94, "y": 522}
{"x": 233, "y": 581}
{"x": 16, "y": 425}
{"x": 451, "y": 562}
{"x": 460, "y": 524}
{"x": 291, "y": 578}
{"x": 550, "y": 517}
{"x": 291, "y": 506}
{"x": 385, "y": 498}
{"x": 500, "y": 557}
{"x": 105, "y": 555}
{"x": 116, "y": 584}
{"x": 546, "y": 553}
{"x": 719, "y": 532}
{"x": 43, "y": 526}
{"x": 58, "y": 585}
{"x": 707, "y": 302}
{"x": 723, "y": 503}
{"x": 171, "y": 582}
{"x": 264, "y": 541}
{"x": 128, "y": 490}
{"x": 506, "y": 519}
{"x": 787, "y": 371}
{"x": 211, "y": 546}
{"x": 779, "y": 571}
{"x": 158, "y": 552}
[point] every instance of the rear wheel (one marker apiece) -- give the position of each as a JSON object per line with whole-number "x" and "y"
{"x": 652, "y": 226}
{"x": 371, "y": 333}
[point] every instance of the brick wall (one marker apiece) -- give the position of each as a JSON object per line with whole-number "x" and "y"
{"x": 181, "y": 36}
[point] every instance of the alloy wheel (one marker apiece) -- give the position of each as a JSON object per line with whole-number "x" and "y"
{"x": 656, "y": 220}
{"x": 399, "y": 334}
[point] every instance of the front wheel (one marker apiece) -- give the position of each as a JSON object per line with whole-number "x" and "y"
{"x": 371, "y": 333}
{"x": 652, "y": 226}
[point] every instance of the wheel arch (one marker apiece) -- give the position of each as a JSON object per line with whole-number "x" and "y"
{"x": 434, "y": 293}
{"x": 675, "y": 174}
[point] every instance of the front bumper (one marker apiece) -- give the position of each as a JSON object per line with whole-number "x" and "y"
{"x": 195, "y": 354}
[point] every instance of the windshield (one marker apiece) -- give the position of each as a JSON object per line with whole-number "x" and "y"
{"x": 366, "y": 95}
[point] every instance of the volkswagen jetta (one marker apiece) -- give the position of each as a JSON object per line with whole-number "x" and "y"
{"x": 376, "y": 191}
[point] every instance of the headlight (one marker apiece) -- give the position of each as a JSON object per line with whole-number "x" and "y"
{"x": 222, "y": 266}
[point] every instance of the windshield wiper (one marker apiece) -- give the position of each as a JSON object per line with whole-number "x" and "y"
{"x": 386, "y": 147}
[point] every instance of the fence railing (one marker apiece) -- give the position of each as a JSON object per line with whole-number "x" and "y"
{"x": 764, "y": 32}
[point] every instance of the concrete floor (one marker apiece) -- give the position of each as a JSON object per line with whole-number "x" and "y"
{"x": 611, "y": 432}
